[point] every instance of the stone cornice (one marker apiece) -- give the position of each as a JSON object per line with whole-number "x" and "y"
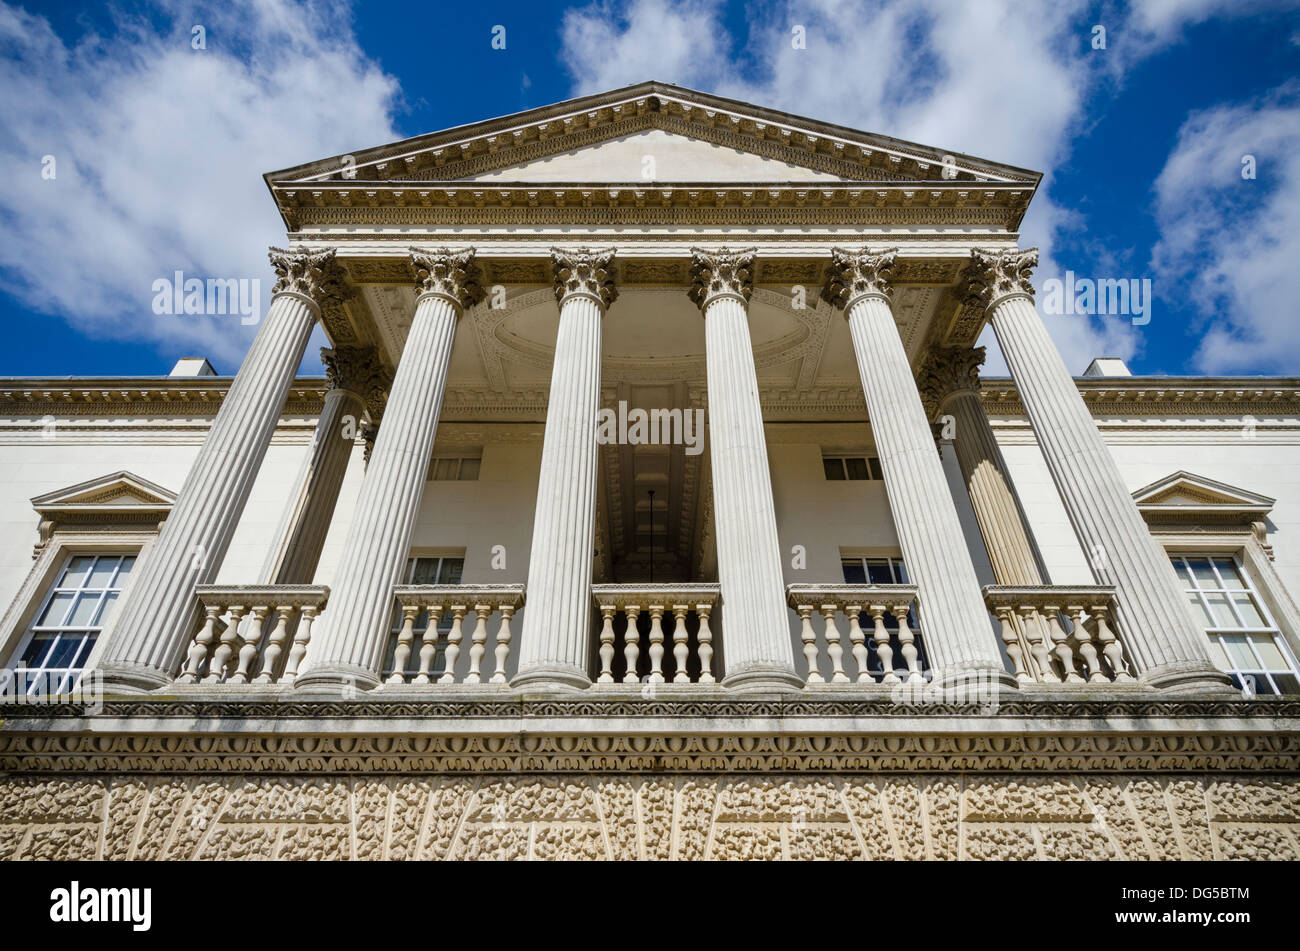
{"x": 704, "y": 203}
{"x": 834, "y": 731}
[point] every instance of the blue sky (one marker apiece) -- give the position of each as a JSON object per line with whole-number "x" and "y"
{"x": 158, "y": 147}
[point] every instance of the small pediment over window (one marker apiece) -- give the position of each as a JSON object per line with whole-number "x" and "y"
{"x": 1187, "y": 497}
{"x": 114, "y": 498}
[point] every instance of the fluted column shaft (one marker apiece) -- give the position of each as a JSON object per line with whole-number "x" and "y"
{"x": 955, "y": 623}
{"x": 310, "y": 510}
{"x": 553, "y": 646}
{"x": 348, "y": 648}
{"x": 1001, "y": 520}
{"x": 1160, "y": 635}
{"x": 759, "y": 653}
{"x": 158, "y": 618}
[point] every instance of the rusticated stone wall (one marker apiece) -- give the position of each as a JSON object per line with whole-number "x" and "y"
{"x": 622, "y": 817}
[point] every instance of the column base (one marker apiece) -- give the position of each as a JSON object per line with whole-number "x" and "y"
{"x": 562, "y": 677}
{"x": 336, "y": 680}
{"x": 1189, "y": 677}
{"x": 763, "y": 677}
{"x": 133, "y": 678}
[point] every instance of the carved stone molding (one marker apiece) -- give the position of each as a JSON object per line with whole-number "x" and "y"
{"x": 450, "y": 274}
{"x": 312, "y": 274}
{"x": 721, "y": 273}
{"x": 852, "y": 275}
{"x": 991, "y": 277}
{"x": 584, "y": 272}
{"x": 948, "y": 370}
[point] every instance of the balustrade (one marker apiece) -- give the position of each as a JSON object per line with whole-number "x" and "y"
{"x": 252, "y": 634}
{"x": 431, "y": 638}
{"x": 882, "y": 638}
{"x": 1056, "y": 634}
{"x": 686, "y": 607}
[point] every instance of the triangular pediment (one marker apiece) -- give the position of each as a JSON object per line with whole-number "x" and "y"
{"x": 1188, "y": 492}
{"x": 647, "y": 133}
{"x": 117, "y": 490}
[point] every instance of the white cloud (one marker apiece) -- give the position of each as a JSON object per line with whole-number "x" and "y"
{"x": 160, "y": 149}
{"x": 990, "y": 79}
{"x": 1230, "y": 242}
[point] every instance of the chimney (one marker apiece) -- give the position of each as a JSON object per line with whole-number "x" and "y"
{"x": 192, "y": 366}
{"x": 1107, "y": 366}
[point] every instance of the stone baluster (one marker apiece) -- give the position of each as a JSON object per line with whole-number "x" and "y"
{"x": 858, "y": 640}
{"x": 680, "y": 650}
{"x": 656, "y": 650}
{"x": 907, "y": 645}
{"x": 502, "y": 649}
{"x": 478, "y": 643}
{"x": 226, "y": 646}
{"x": 833, "y": 647}
{"x": 631, "y": 643}
{"x": 705, "y": 639}
{"x": 607, "y": 612}
{"x": 275, "y": 643}
{"x": 199, "y": 650}
{"x": 884, "y": 651}
{"x": 405, "y": 639}
{"x": 454, "y": 637}
{"x": 301, "y": 641}
{"x": 250, "y": 640}
{"x": 429, "y": 646}
{"x": 809, "y": 638}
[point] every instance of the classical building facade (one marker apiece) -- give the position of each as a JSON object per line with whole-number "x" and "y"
{"x": 653, "y": 506}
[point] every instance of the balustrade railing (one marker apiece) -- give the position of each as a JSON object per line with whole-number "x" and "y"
{"x": 431, "y": 637}
{"x": 646, "y": 608}
{"x": 252, "y": 634}
{"x": 1055, "y": 634}
{"x": 883, "y": 643}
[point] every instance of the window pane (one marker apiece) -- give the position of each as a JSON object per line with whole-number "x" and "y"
{"x": 65, "y": 651}
{"x": 1184, "y": 573}
{"x": 857, "y": 468}
{"x": 452, "y": 568}
{"x": 106, "y": 610}
{"x": 1223, "y": 616}
{"x": 876, "y": 471}
{"x": 854, "y": 573}
{"x": 1204, "y": 573}
{"x": 102, "y": 574}
{"x": 83, "y": 615}
{"x": 1287, "y": 683}
{"x": 1269, "y": 653}
{"x": 1199, "y": 609}
{"x": 1250, "y": 613}
{"x": 76, "y": 572}
{"x": 425, "y": 571}
{"x": 34, "y": 655}
{"x": 1229, "y": 573}
{"x": 445, "y": 468}
{"x": 469, "y": 468}
{"x": 128, "y": 562}
{"x": 878, "y": 571}
{"x": 1239, "y": 652}
{"x": 834, "y": 469}
{"x": 900, "y": 571}
{"x": 56, "y": 610}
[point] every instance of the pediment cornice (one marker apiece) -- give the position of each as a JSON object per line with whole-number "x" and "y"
{"x": 562, "y": 127}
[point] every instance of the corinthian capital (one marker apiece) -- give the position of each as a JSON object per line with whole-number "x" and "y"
{"x": 584, "y": 272}
{"x": 312, "y": 274}
{"x": 948, "y": 370}
{"x": 993, "y": 276}
{"x": 721, "y": 273}
{"x": 452, "y": 275}
{"x": 358, "y": 370}
{"x": 853, "y": 275}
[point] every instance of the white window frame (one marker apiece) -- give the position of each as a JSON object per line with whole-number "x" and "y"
{"x": 868, "y": 459}
{"x": 460, "y": 458}
{"x": 1217, "y": 632}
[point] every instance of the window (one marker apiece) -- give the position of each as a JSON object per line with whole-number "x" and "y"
{"x": 454, "y": 468}
{"x": 424, "y": 571}
{"x": 885, "y": 570}
{"x": 852, "y": 468}
{"x": 1243, "y": 638}
{"x": 75, "y": 609}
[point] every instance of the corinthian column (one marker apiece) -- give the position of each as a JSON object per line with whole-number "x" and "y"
{"x": 949, "y": 383}
{"x": 758, "y": 649}
{"x": 159, "y": 616}
{"x": 1160, "y": 635}
{"x": 357, "y": 380}
{"x": 954, "y": 622}
{"x": 553, "y": 648}
{"x": 349, "y": 647}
